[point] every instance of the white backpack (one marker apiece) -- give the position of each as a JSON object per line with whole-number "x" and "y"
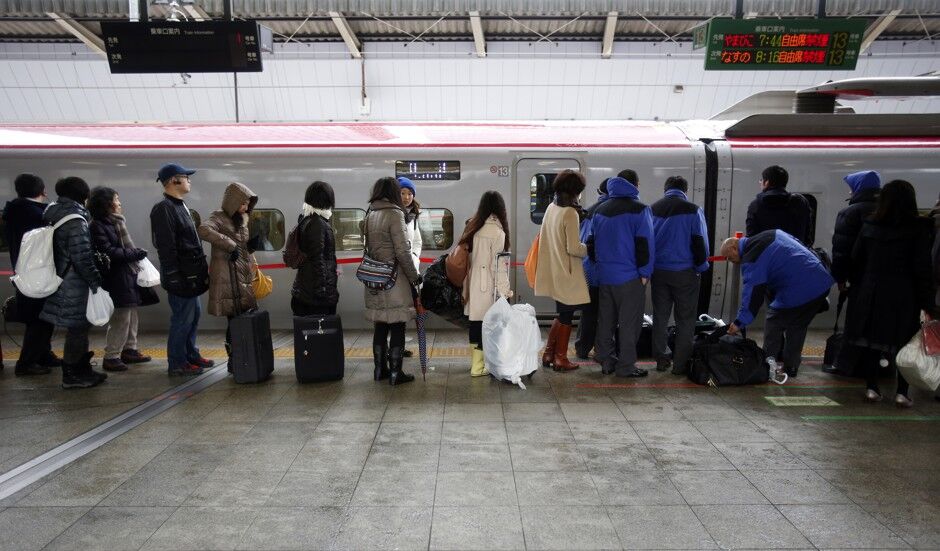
{"x": 35, "y": 268}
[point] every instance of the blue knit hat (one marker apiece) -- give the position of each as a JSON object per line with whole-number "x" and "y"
{"x": 405, "y": 183}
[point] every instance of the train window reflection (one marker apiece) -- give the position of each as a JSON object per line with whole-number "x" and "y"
{"x": 267, "y": 227}
{"x": 540, "y": 195}
{"x": 346, "y": 227}
{"x": 437, "y": 228}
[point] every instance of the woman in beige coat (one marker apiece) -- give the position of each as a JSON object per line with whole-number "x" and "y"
{"x": 227, "y": 231}
{"x": 487, "y": 234}
{"x": 560, "y": 272}
{"x": 387, "y": 241}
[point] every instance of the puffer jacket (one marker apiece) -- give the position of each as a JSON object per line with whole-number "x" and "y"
{"x": 935, "y": 251}
{"x": 220, "y": 231}
{"x": 778, "y": 209}
{"x": 121, "y": 279}
{"x": 865, "y": 187}
{"x": 315, "y": 282}
{"x": 75, "y": 264}
{"x": 20, "y": 216}
{"x": 387, "y": 241}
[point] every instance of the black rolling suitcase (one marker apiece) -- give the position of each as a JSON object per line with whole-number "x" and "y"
{"x": 252, "y": 359}
{"x": 318, "y": 348}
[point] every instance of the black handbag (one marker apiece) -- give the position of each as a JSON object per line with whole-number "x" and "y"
{"x": 11, "y": 313}
{"x": 719, "y": 359}
{"x": 834, "y": 341}
{"x": 440, "y": 297}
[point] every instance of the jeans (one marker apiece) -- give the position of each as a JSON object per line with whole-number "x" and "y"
{"x": 181, "y": 338}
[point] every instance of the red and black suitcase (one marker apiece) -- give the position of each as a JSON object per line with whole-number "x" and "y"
{"x": 318, "y": 348}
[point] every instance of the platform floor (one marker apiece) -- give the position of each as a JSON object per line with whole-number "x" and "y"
{"x": 576, "y": 461}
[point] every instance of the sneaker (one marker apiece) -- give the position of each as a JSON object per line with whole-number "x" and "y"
{"x": 202, "y": 362}
{"x": 187, "y": 369}
{"x": 663, "y": 365}
{"x": 31, "y": 369}
{"x": 872, "y": 395}
{"x": 131, "y": 356}
{"x": 903, "y": 401}
{"x": 113, "y": 364}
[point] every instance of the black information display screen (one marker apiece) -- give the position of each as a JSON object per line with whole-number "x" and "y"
{"x": 428, "y": 170}
{"x": 182, "y": 47}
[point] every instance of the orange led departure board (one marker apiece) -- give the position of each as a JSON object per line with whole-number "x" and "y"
{"x": 781, "y": 44}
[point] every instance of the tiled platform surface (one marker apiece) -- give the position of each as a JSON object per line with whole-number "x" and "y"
{"x": 576, "y": 461}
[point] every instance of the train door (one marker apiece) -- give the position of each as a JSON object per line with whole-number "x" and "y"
{"x": 532, "y": 184}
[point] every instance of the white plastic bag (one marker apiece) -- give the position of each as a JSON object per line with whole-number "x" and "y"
{"x": 919, "y": 369}
{"x": 99, "y": 308}
{"x": 148, "y": 276}
{"x": 511, "y": 341}
{"x": 35, "y": 267}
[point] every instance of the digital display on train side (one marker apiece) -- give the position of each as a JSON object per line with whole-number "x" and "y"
{"x": 428, "y": 170}
{"x": 783, "y": 44}
{"x": 182, "y": 47}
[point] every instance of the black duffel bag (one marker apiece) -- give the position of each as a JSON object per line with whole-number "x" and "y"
{"x": 440, "y": 297}
{"x": 719, "y": 359}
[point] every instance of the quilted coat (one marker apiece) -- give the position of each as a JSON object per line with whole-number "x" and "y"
{"x": 315, "y": 283}
{"x": 387, "y": 240}
{"x": 221, "y": 232}
{"x": 75, "y": 264}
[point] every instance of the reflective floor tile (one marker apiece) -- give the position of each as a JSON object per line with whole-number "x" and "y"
{"x": 668, "y": 432}
{"x": 465, "y": 432}
{"x": 689, "y": 457}
{"x": 393, "y": 487}
{"x": 117, "y": 528}
{"x": 468, "y": 489}
{"x": 309, "y": 489}
{"x": 536, "y": 411}
{"x": 917, "y": 522}
{"x": 408, "y": 433}
{"x": 841, "y": 526}
{"x": 331, "y": 457}
{"x": 157, "y": 487}
{"x": 575, "y": 412}
{"x": 749, "y": 527}
{"x": 554, "y": 488}
{"x": 555, "y": 457}
{"x": 459, "y": 528}
{"x": 239, "y": 488}
{"x": 473, "y": 412}
{"x": 659, "y": 527}
{"x": 277, "y": 528}
{"x": 198, "y": 528}
{"x": 542, "y": 432}
{"x": 384, "y": 528}
{"x": 616, "y": 457}
{"x": 636, "y": 488}
{"x": 716, "y": 488}
{"x": 604, "y": 432}
{"x": 568, "y": 527}
{"x": 788, "y": 487}
{"x": 759, "y": 455}
{"x": 475, "y": 457}
{"x": 332, "y": 433}
{"x": 26, "y": 528}
{"x": 404, "y": 457}
{"x": 261, "y": 457}
{"x": 732, "y": 431}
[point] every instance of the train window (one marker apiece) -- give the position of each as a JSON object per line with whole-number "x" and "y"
{"x": 346, "y": 227}
{"x": 437, "y": 228}
{"x": 268, "y": 226}
{"x": 811, "y": 199}
{"x": 540, "y": 195}
{"x": 4, "y": 246}
{"x": 195, "y": 216}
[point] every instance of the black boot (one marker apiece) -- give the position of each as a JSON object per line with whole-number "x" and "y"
{"x": 74, "y": 376}
{"x": 31, "y": 369}
{"x": 380, "y": 358}
{"x": 87, "y": 370}
{"x": 396, "y": 375}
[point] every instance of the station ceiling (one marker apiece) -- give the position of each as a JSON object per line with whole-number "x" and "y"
{"x": 439, "y": 20}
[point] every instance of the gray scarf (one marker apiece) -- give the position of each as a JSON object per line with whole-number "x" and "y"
{"x": 121, "y": 227}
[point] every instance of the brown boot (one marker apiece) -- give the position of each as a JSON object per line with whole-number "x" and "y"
{"x": 549, "y": 354}
{"x": 561, "y": 349}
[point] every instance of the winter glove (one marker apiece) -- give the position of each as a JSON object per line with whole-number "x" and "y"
{"x": 233, "y": 256}
{"x": 140, "y": 254}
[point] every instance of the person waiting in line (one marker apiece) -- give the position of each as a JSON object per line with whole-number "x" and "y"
{"x": 892, "y": 254}
{"x": 184, "y": 273}
{"x": 587, "y": 326}
{"x": 631, "y": 176}
{"x": 486, "y": 234}
{"x": 75, "y": 264}
{"x": 560, "y": 272}
{"x": 227, "y": 231}
{"x": 412, "y": 212}
{"x": 681, "y": 237}
{"x": 22, "y": 215}
{"x": 774, "y": 262}
{"x": 386, "y": 240}
{"x": 775, "y": 208}
{"x": 864, "y": 187}
{"x": 314, "y": 291}
{"x": 110, "y": 236}
{"x": 622, "y": 244}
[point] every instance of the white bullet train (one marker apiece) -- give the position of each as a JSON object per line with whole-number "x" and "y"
{"x": 452, "y": 164}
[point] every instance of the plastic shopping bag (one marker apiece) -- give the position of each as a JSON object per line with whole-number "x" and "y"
{"x": 919, "y": 369}
{"x": 99, "y": 308}
{"x": 511, "y": 341}
{"x": 148, "y": 276}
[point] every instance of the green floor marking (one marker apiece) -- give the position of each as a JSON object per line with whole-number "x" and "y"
{"x": 800, "y": 401}
{"x": 870, "y": 417}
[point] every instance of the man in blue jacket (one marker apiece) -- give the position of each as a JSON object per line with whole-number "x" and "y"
{"x": 587, "y": 327}
{"x": 681, "y": 255}
{"x": 620, "y": 242}
{"x": 775, "y": 261}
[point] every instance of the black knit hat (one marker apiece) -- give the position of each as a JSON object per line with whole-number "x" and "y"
{"x": 29, "y": 186}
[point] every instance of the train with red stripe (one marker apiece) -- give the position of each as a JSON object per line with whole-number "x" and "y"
{"x": 452, "y": 164}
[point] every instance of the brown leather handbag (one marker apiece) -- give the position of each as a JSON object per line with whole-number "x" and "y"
{"x": 457, "y": 264}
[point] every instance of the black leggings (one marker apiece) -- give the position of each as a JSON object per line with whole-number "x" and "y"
{"x": 871, "y": 378}
{"x": 566, "y": 312}
{"x": 382, "y": 332}
{"x": 476, "y": 333}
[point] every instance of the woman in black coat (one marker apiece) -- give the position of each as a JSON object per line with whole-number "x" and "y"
{"x": 892, "y": 260}
{"x": 314, "y": 291}
{"x": 110, "y": 237}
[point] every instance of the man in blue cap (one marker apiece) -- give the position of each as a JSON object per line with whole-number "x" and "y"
{"x": 184, "y": 272}
{"x": 865, "y": 187}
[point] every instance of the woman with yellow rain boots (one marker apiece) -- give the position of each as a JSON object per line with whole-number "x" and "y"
{"x": 486, "y": 234}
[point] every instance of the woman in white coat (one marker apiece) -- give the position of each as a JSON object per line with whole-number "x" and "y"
{"x": 412, "y": 230}
{"x": 487, "y": 234}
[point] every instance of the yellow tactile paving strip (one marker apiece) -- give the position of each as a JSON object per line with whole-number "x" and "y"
{"x": 287, "y": 352}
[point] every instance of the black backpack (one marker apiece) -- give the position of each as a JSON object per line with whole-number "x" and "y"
{"x": 719, "y": 359}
